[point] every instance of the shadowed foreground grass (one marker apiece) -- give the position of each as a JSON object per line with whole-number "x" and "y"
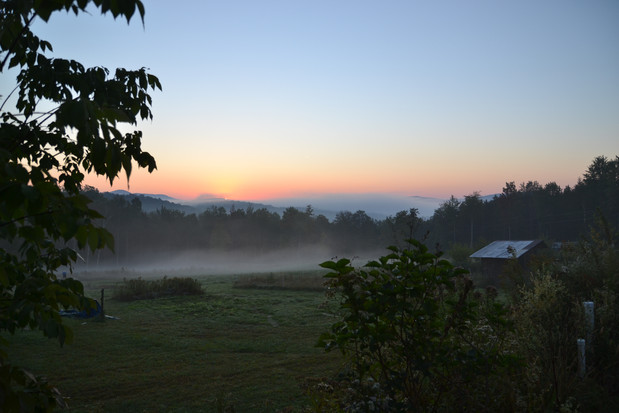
{"x": 246, "y": 349}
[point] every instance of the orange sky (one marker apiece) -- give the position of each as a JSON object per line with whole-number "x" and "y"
{"x": 263, "y": 183}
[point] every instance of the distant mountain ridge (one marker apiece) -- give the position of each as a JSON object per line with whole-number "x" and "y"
{"x": 153, "y": 202}
{"x": 378, "y": 206}
{"x": 158, "y": 196}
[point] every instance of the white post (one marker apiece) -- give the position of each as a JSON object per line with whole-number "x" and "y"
{"x": 582, "y": 366}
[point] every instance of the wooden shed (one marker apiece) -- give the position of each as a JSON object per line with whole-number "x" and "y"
{"x": 495, "y": 256}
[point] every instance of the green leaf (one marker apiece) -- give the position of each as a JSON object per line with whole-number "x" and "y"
{"x": 127, "y": 167}
{"x": 93, "y": 239}
{"x": 81, "y": 236}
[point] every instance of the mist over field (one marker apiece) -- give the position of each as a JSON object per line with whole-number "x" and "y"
{"x": 196, "y": 262}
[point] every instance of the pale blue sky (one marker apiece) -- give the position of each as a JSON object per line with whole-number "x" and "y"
{"x": 283, "y": 98}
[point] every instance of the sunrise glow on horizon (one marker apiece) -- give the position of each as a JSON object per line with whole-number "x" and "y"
{"x": 274, "y": 99}
{"x": 263, "y": 187}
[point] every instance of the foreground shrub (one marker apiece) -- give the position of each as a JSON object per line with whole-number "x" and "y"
{"x": 139, "y": 289}
{"x": 590, "y": 272}
{"x": 547, "y": 321}
{"x": 549, "y": 317}
{"x": 417, "y": 338}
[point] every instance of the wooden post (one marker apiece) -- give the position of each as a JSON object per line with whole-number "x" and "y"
{"x": 102, "y": 315}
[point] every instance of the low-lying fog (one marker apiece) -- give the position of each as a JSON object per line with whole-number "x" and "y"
{"x": 194, "y": 263}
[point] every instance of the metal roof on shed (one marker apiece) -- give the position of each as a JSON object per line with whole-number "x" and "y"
{"x": 500, "y": 249}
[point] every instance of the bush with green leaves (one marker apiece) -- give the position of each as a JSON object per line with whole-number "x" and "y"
{"x": 590, "y": 272}
{"x": 548, "y": 314}
{"x": 417, "y": 337}
{"x": 60, "y": 121}
{"x": 547, "y": 320}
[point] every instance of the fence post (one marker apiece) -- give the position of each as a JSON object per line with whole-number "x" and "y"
{"x": 589, "y": 321}
{"x": 582, "y": 362}
{"x": 583, "y": 349}
{"x": 102, "y": 315}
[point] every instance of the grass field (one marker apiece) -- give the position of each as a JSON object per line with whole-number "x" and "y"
{"x": 231, "y": 349}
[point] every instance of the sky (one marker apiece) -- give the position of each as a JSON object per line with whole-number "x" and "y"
{"x": 282, "y": 99}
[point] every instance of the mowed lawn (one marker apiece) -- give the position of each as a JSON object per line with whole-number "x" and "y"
{"x": 231, "y": 349}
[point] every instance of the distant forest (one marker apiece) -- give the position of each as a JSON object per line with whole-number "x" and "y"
{"x": 521, "y": 212}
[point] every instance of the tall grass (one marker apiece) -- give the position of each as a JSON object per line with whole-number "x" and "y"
{"x": 305, "y": 281}
{"x": 140, "y": 289}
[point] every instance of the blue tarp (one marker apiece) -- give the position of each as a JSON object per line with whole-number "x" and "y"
{"x": 86, "y": 313}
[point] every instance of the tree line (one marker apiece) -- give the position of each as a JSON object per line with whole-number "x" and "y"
{"x": 532, "y": 210}
{"x": 527, "y": 211}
